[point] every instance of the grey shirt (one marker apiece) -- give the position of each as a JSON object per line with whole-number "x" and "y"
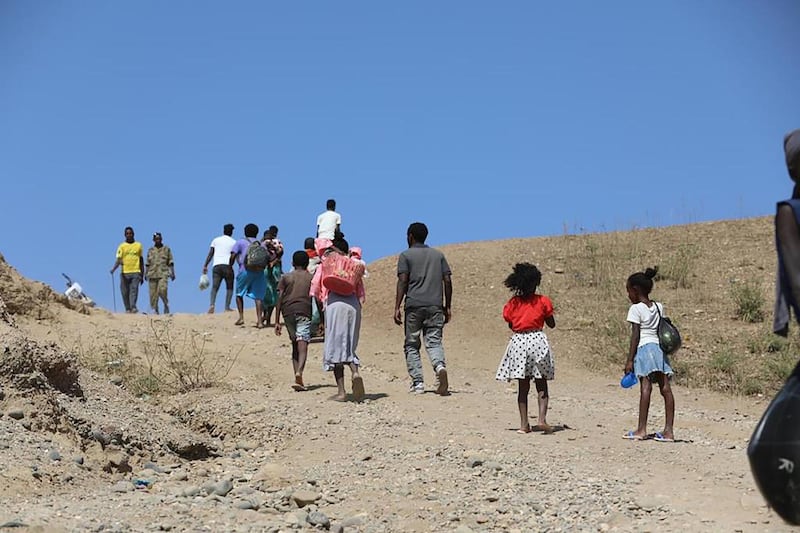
{"x": 426, "y": 268}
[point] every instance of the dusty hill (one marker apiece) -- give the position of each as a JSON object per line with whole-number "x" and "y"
{"x": 129, "y": 423}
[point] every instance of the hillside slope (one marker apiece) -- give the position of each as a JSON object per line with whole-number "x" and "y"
{"x": 249, "y": 454}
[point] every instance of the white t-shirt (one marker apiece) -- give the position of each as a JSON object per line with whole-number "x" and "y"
{"x": 647, "y": 318}
{"x": 326, "y": 224}
{"x": 222, "y": 246}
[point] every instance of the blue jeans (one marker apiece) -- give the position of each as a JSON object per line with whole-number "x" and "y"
{"x": 129, "y": 286}
{"x": 426, "y": 322}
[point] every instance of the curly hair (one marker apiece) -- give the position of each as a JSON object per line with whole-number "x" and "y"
{"x": 524, "y": 280}
{"x": 643, "y": 280}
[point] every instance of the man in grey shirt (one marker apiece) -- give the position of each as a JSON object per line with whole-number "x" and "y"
{"x": 423, "y": 279}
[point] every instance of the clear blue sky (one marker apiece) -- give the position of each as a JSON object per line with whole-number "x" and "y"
{"x": 483, "y": 120}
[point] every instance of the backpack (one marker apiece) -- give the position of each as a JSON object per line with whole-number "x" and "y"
{"x": 340, "y": 274}
{"x": 669, "y": 338}
{"x": 257, "y": 257}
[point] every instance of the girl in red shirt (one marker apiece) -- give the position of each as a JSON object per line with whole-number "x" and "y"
{"x": 528, "y": 355}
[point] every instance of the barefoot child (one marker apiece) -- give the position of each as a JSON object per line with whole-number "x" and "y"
{"x": 294, "y": 302}
{"x": 645, "y": 355}
{"x": 528, "y": 354}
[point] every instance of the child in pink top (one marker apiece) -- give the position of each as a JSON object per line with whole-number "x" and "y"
{"x": 528, "y": 355}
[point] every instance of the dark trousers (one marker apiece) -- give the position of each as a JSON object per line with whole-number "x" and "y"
{"x": 129, "y": 286}
{"x": 219, "y": 273}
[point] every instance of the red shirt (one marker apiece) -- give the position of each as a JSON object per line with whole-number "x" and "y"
{"x": 527, "y": 313}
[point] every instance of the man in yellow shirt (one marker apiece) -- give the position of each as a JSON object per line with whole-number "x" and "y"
{"x": 129, "y": 256}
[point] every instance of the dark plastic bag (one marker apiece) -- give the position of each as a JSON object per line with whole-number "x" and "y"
{"x": 774, "y": 451}
{"x": 669, "y": 338}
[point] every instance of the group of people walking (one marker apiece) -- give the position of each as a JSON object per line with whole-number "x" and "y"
{"x": 311, "y": 301}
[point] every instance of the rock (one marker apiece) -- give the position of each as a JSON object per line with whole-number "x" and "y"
{"x": 154, "y": 467}
{"x": 296, "y": 518}
{"x": 246, "y": 505}
{"x": 16, "y": 413}
{"x": 305, "y": 497}
{"x": 337, "y": 528}
{"x": 472, "y": 462}
{"x": 222, "y": 488}
{"x": 116, "y": 462}
{"x": 78, "y": 459}
{"x": 122, "y": 486}
{"x": 247, "y": 445}
{"x": 493, "y": 465}
{"x": 116, "y": 380}
{"x": 353, "y": 521}
{"x": 13, "y": 523}
{"x": 53, "y": 455}
{"x": 272, "y": 472}
{"x": 191, "y": 492}
{"x": 316, "y": 518}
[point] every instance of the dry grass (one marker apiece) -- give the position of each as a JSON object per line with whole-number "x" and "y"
{"x": 167, "y": 362}
{"x": 715, "y": 279}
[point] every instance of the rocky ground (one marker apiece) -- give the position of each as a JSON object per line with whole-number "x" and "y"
{"x": 79, "y": 452}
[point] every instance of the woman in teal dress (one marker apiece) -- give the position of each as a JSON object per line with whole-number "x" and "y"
{"x": 273, "y": 272}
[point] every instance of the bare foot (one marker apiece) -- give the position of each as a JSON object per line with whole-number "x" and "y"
{"x": 524, "y": 430}
{"x": 546, "y": 428}
{"x": 239, "y": 322}
{"x": 339, "y": 398}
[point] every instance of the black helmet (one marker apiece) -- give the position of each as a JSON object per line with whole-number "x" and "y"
{"x": 774, "y": 451}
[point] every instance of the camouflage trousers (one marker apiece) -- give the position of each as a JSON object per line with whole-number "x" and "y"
{"x": 158, "y": 289}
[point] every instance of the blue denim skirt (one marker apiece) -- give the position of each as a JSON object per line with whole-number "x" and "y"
{"x": 649, "y": 358}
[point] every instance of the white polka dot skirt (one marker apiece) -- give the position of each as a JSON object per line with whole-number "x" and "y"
{"x": 528, "y": 355}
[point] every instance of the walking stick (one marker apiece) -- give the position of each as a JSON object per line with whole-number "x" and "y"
{"x": 113, "y": 292}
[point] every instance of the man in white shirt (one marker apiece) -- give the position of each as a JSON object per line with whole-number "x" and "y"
{"x": 220, "y": 252}
{"x": 329, "y": 222}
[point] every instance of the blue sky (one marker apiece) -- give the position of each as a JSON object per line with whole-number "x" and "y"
{"x": 483, "y": 120}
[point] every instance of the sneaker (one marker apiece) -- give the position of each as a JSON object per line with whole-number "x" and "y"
{"x": 441, "y": 375}
{"x": 417, "y": 388}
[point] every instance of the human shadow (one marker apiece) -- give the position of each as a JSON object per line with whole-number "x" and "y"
{"x": 544, "y": 430}
{"x": 369, "y": 396}
{"x": 320, "y": 386}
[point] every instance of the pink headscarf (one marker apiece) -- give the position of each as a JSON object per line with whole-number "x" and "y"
{"x": 355, "y": 251}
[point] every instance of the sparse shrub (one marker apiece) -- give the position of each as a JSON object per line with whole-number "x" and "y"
{"x": 777, "y": 367}
{"x": 751, "y": 385}
{"x": 183, "y": 362}
{"x": 679, "y": 267}
{"x": 723, "y": 361}
{"x": 749, "y": 301}
{"x": 168, "y": 363}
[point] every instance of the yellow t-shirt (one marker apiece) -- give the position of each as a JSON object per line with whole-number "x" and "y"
{"x": 130, "y": 252}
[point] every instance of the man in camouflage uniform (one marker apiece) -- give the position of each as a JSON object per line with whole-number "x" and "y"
{"x": 160, "y": 266}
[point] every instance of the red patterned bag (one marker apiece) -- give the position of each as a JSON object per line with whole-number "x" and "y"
{"x": 340, "y": 274}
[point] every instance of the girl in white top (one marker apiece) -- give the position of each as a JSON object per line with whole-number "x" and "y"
{"x": 645, "y": 356}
